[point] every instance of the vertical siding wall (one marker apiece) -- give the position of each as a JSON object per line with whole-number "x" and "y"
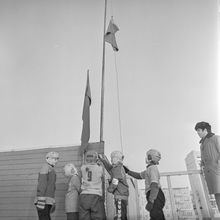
{"x": 18, "y": 180}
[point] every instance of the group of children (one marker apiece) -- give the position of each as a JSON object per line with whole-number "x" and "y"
{"x": 84, "y": 199}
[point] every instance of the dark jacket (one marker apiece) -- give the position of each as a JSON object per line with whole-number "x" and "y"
{"x": 46, "y": 182}
{"x": 117, "y": 171}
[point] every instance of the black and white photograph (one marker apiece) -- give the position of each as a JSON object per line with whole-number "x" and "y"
{"x": 110, "y": 109}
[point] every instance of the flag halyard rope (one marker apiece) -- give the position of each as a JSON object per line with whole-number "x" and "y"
{"x": 118, "y": 102}
{"x": 117, "y": 85}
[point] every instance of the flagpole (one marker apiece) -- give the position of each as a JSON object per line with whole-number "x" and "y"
{"x": 103, "y": 77}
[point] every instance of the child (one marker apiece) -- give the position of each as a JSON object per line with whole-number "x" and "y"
{"x": 45, "y": 202}
{"x": 118, "y": 186}
{"x": 154, "y": 195}
{"x": 91, "y": 202}
{"x": 71, "y": 198}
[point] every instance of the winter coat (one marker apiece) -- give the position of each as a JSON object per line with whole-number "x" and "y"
{"x": 72, "y": 195}
{"x": 210, "y": 156}
{"x": 46, "y": 184}
{"x": 117, "y": 171}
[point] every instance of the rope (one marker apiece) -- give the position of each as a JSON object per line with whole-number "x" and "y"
{"x": 118, "y": 99}
{"x": 111, "y": 3}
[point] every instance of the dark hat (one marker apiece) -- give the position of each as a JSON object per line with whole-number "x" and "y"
{"x": 203, "y": 125}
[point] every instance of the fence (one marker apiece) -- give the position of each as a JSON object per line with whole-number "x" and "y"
{"x": 199, "y": 190}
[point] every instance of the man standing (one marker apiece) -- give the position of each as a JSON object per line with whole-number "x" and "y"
{"x": 210, "y": 158}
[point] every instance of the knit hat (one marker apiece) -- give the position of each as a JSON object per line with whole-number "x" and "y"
{"x": 69, "y": 169}
{"x": 91, "y": 157}
{"x": 116, "y": 156}
{"x": 153, "y": 156}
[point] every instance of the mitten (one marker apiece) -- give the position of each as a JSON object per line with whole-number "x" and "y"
{"x": 149, "y": 206}
{"x": 111, "y": 188}
{"x": 113, "y": 185}
{"x": 41, "y": 202}
{"x": 126, "y": 169}
{"x": 115, "y": 181}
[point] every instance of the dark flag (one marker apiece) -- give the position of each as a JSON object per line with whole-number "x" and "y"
{"x": 86, "y": 117}
{"x": 110, "y": 35}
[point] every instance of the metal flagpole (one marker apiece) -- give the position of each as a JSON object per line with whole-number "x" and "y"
{"x": 103, "y": 77}
{"x": 102, "y": 106}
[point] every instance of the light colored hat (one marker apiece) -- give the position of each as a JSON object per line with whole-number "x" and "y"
{"x": 153, "y": 156}
{"x": 117, "y": 154}
{"x": 91, "y": 157}
{"x": 52, "y": 154}
{"x": 116, "y": 157}
{"x": 70, "y": 169}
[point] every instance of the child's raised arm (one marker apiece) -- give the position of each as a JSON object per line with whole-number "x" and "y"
{"x": 105, "y": 162}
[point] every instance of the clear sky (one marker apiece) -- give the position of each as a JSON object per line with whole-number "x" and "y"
{"x": 167, "y": 68}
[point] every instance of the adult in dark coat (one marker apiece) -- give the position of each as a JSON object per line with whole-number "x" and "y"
{"x": 210, "y": 158}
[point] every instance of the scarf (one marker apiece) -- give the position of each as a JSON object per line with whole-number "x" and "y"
{"x": 207, "y": 136}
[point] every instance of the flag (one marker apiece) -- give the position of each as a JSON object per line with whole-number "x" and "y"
{"x": 86, "y": 117}
{"x": 110, "y": 35}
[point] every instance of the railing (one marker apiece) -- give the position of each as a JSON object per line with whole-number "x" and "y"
{"x": 206, "y": 209}
{"x": 199, "y": 190}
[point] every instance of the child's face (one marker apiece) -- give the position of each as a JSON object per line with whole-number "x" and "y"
{"x": 52, "y": 160}
{"x": 114, "y": 160}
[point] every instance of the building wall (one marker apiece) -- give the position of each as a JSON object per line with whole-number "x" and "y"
{"x": 18, "y": 180}
{"x": 193, "y": 160}
{"x": 144, "y": 214}
{"x": 182, "y": 199}
{"x": 183, "y": 203}
{"x": 133, "y": 199}
{"x": 192, "y": 163}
